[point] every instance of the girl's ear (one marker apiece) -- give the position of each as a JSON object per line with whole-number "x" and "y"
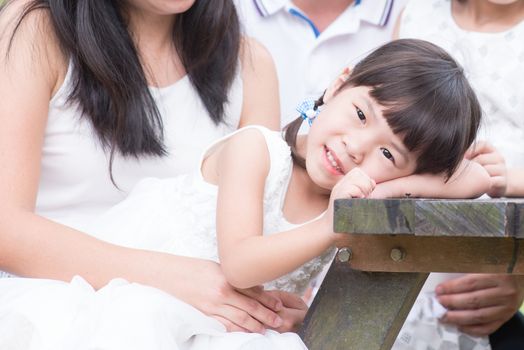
{"x": 335, "y": 86}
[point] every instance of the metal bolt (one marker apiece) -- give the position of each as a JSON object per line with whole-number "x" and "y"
{"x": 397, "y": 254}
{"x": 344, "y": 254}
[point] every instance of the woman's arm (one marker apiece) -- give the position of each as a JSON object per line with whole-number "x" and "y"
{"x": 261, "y": 102}
{"x": 33, "y": 246}
{"x": 470, "y": 180}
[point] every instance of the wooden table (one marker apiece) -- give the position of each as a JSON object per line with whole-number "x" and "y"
{"x": 391, "y": 248}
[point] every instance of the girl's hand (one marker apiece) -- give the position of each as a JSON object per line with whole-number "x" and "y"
{"x": 249, "y": 310}
{"x": 493, "y": 162}
{"x": 355, "y": 184}
{"x": 392, "y": 189}
{"x": 293, "y": 311}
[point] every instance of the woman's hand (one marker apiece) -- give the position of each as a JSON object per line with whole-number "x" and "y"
{"x": 205, "y": 287}
{"x": 478, "y": 304}
{"x": 493, "y": 162}
{"x": 293, "y": 311}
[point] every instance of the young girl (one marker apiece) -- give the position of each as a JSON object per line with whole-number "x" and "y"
{"x": 264, "y": 207}
{"x": 486, "y": 37}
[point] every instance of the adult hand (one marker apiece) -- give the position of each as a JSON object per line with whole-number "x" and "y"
{"x": 493, "y": 162}
{"x": 480, "y": 303}
{"x": 293, "y": 311}
{"x": 249, "y": 310}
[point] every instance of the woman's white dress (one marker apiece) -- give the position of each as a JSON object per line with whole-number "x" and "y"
{"x": 174, "y": 215}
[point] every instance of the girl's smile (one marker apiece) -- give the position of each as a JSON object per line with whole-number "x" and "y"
{"x": 351, "y": 131}
{"x": 332, "y": 162}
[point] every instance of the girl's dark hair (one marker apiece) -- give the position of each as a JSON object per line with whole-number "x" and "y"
{"x": 109, "y": 82}
{"x": 427, "y": 100}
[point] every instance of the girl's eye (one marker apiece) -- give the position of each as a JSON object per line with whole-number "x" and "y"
{"x": 360, "y": 115}
{"x": 387, "y": 154}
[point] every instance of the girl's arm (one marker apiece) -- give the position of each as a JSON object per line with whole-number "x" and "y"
{"x": 33, "y": 246}
{"x": 247, "y": 257}
{"x": 260, "y": 100}
{"x": 515, "y": 187}
{"x": 470, "y": 180}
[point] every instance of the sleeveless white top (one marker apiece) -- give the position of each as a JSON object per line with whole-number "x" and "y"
{"x": 178, "y": 215}
{"x": 494, "y": 65}
{"x": 75, "y": 185}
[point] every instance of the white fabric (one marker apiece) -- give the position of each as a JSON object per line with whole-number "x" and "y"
{"x": 175, "y": 215}
{"x": 74, "y": 182}
{"x": 53, "y": 315}
{"x": 493, "y": 64}
{"x": 306, "y": 64}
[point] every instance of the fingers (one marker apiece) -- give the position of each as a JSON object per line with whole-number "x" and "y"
{"x": 495, "y": 165}
{"x": 495, "y": 169}
{"x": 479, "y": 322}
{"x": 479, "y": 303}
{"x": 388, "y": 189}
{"x": 473, "y": 300}
{"x": 467, "y": 283}
{"x": 291, "y": 300}
{"x": 293, "y": 318}
{"x": 230, "y": 326}
{"x": 254, "y": 311}
{"x": 482, "y": 330}
{"x": 355, "y": 184}
{"x": 269, "y": 300}
{"x": 489, "y": 159}
{"x": 239, "y": 319}
{"x": 478, "y": 148}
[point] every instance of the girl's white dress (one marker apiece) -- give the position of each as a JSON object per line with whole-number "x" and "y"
{"x": 174, "y": 215}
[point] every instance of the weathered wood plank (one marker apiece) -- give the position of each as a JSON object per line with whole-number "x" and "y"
{"x": 359, "y": 310}
{"x": 390, "y": 216}
{"x": 464, "y": 218}
{"x": 401, "y": 240}
{"x": 403, "y": 253}
{"x": 426, "y": 217}
{"x": 519, "y": 220}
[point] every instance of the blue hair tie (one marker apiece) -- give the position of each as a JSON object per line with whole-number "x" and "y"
{"x": 308, "y": 111}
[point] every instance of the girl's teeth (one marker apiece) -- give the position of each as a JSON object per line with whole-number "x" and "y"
{"x": 332, "y": 160}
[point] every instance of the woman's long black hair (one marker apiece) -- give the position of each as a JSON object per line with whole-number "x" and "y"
{"x": 109, "y": 82}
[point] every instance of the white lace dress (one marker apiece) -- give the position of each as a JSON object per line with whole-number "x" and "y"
{"x": 175, "y": 215}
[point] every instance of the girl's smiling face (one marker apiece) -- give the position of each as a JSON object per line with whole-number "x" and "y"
{"x": 350, "y": 132}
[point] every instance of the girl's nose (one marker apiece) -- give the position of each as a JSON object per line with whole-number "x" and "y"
{"x": 355, "y": 147}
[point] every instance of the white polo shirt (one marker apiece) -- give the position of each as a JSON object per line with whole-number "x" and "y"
{"x": 307, "y": 61}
